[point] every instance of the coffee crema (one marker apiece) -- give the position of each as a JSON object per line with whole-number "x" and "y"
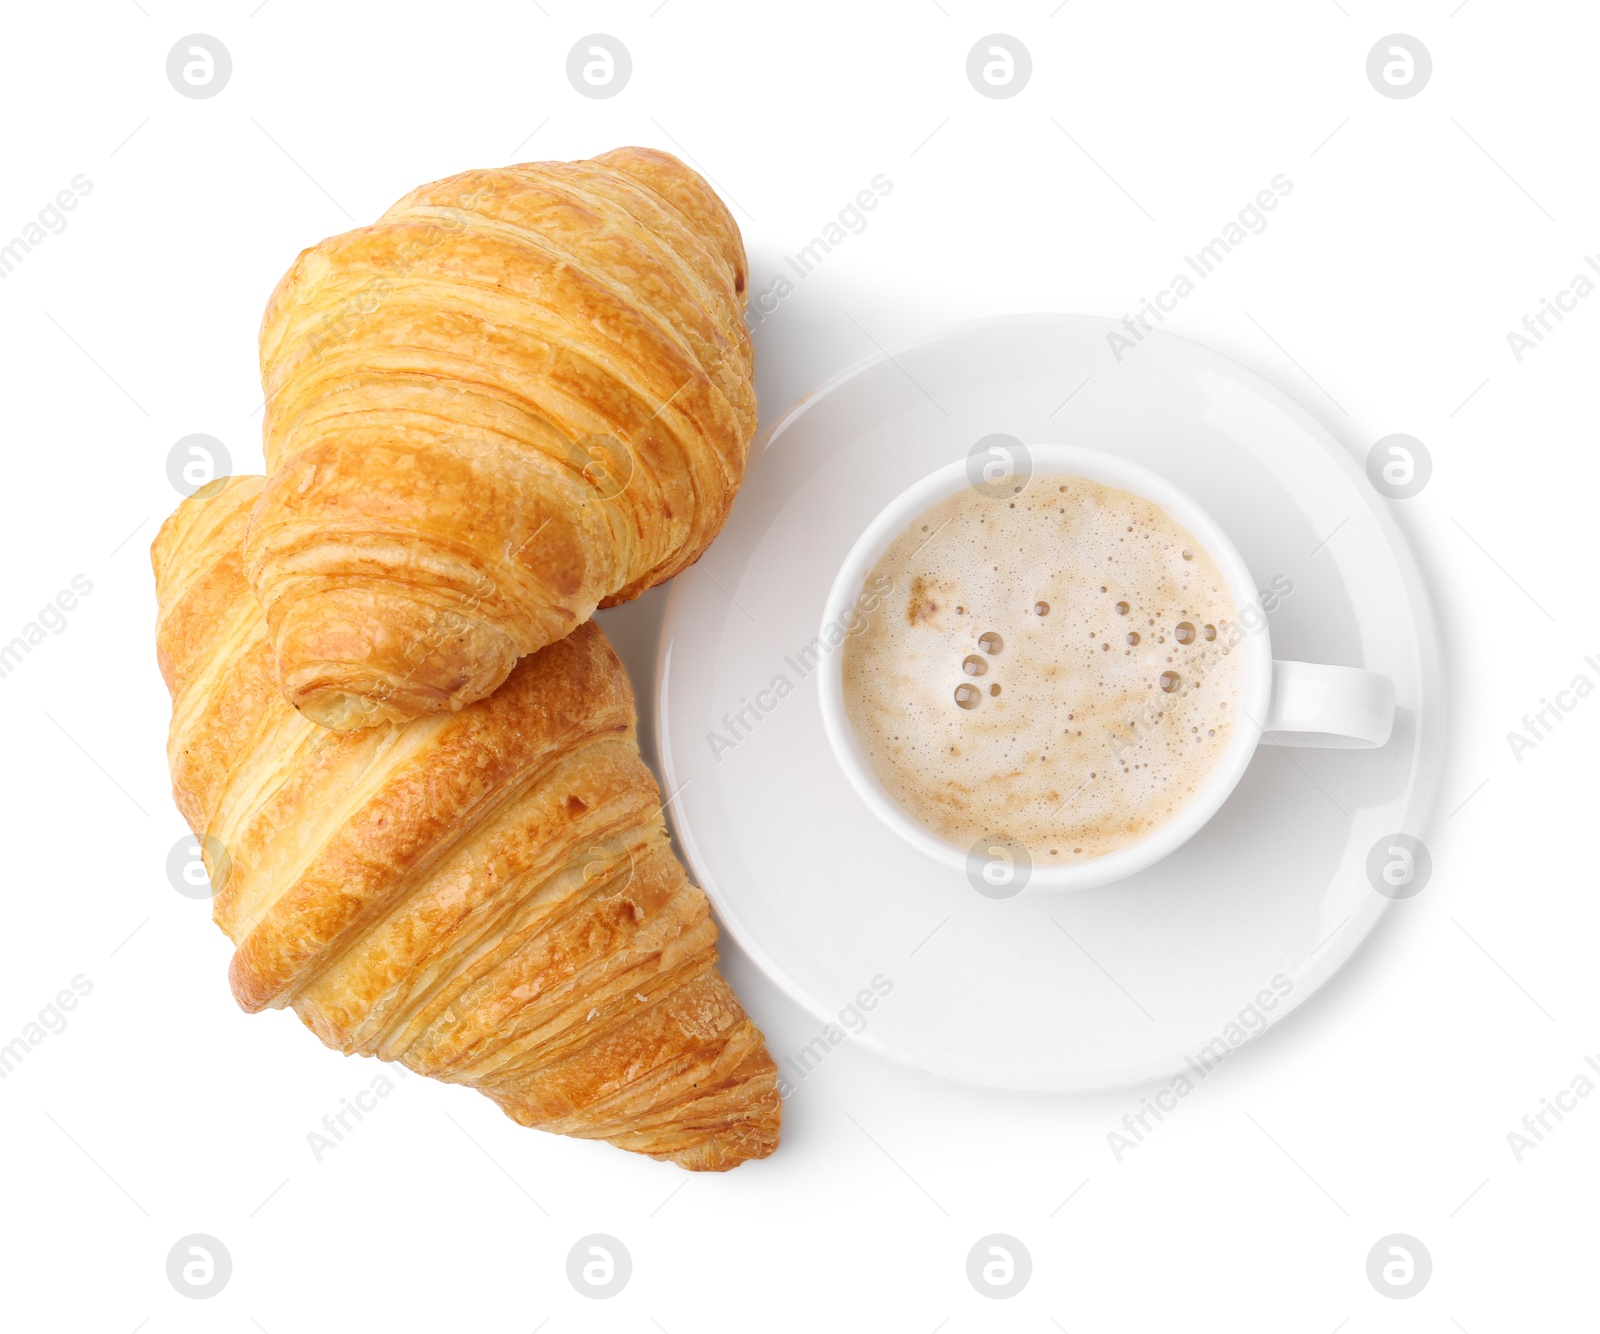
{"x": 1053, "y": 666}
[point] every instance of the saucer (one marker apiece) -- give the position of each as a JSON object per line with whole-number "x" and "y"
{"x": 1141, "y": 979}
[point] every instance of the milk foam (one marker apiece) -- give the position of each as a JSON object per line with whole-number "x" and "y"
{"x": 1052, "y": 666}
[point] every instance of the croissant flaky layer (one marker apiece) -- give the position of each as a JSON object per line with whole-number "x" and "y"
{"x": 487, "y": 896}
{"x": 521, "y": 394}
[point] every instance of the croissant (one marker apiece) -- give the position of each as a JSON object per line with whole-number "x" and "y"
{"x": 521, "y": 394}
{"x": 487, "y": 896}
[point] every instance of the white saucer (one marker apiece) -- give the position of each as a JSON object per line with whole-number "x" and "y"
{"x": 1080, "y": 990}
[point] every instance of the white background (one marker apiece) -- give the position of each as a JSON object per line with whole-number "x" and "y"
{"x": 1380, "y": 295}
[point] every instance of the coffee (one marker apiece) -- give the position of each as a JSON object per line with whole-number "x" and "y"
{"x": 1052, "y": 666}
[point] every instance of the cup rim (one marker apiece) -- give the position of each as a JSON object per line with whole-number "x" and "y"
{"x": 1045, "y": 459}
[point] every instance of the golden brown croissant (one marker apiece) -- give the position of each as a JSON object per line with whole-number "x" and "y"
{"x": 487, "y": 896}
{"x": 521, "y": 394}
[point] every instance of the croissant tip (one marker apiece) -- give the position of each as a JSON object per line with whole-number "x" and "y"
{"x": 717, "y": 1156}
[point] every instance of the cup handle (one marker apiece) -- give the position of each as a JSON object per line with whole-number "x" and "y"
{"x": 1331, "y": 708}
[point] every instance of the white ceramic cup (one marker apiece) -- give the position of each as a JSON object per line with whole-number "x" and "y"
{"x": 1287, "y": 703}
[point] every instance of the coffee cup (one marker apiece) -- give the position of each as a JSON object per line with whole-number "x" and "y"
{"x": 1285, "y": 703}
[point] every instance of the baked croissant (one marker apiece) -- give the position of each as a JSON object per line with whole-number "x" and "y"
{"x": 521, "y": 394}
{"x": 487, "y": 896}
